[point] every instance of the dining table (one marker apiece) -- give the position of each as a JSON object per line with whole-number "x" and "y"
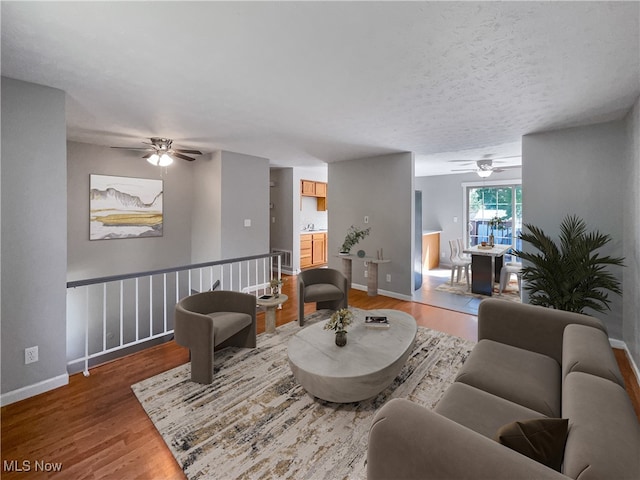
{"x": 486, "y": 263}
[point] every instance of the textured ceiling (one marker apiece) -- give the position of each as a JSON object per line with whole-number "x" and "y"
{"x": 304, "y": 83}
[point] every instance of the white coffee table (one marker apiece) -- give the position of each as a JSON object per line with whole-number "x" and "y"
{"x": 361, "y": 369}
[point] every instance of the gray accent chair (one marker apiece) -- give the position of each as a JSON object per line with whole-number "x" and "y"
{"x": 324, "y": 286}
{"x": 210, "y": 321}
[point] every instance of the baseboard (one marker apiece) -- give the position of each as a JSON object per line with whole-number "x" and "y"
{"x": 33, "y": 390}
{"x": 623, "y": 346}
{"x": 386, "y": 293}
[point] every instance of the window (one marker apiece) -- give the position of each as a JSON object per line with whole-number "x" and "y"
{"x": 487, "y": 201}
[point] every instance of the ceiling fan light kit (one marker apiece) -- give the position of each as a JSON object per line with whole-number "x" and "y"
{"x": 163, "y": 160}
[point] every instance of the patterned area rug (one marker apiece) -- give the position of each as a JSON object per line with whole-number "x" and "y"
{"x": 511, "y": 293}
{"x": 255, "y": 420}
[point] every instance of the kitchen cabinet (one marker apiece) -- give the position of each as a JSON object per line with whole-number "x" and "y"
{"x": 319, "y": 248}
{"x": 306, "y": 251}
{"x": 430, "y": 249}
{"x": 313, "y": 249}
{"x": 310, "y": 188}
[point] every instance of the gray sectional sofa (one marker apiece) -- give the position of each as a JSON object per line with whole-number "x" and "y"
{"x": 529, "y": 363}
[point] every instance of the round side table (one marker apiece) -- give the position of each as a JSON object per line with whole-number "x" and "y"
{"x": 270, "y": 315}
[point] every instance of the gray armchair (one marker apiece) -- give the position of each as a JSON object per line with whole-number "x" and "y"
{"x": 210, "y": 321}
{"x": 324, "y": 286}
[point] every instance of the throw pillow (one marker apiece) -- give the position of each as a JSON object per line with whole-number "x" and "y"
{"x": 541, "y": 439}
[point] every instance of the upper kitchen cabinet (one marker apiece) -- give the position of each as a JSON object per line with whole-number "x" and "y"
{"x": 311, "y": 188}
{"x": 308, "y": 188}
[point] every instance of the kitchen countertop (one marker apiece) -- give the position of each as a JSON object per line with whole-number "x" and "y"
{"x": 313, "y": 231}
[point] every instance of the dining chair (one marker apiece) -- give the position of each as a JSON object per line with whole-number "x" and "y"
{"x": 508, "y": 269}
{"x": 458, "y": 264}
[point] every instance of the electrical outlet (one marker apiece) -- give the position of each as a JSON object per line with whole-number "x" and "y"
{"x": 366, "y": 219}
{"x": 30, "y": 355}
{"x": 388, "y": 277}
{"x": 366, "y": 274}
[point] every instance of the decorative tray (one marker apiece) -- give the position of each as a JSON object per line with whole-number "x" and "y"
{"x": 486, "y": 247}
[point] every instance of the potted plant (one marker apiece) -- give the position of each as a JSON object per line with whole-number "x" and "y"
{"x": 571, "y": 276}
{"x": 275, "y": 284}
{"x": 354, "y": 235}
{"x": 339, "y": 322}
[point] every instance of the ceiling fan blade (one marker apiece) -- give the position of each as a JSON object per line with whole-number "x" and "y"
{"x": 135, "y": 148}
{"x": 464, "y": 170}
{"x": 506, "y": 167}
{"x": 148, "y": 155}
{"x": 193, "y": 152}
{"x": 183, "y": 157}
{"x": 503, "y": 158}
{"x": 462, "y": 161}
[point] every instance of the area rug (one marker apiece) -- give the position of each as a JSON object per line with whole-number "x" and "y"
{"x": 256, "y": 422}
{"x": 511, "y": 293}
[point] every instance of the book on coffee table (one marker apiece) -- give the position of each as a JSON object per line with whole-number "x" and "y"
{"x": 376, "y": 322}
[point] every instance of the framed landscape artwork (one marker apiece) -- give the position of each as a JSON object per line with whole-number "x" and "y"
{"x": 124, "y": 207}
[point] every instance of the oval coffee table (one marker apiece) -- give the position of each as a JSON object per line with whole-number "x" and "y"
{"x": 364, "y": 367}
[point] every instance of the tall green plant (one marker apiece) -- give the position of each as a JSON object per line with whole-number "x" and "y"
{"x": 571, "y": 276}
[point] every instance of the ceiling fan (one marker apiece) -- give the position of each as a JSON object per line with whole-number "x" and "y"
{"x": 161, "y": 152}
{"x": 484, "y": 166}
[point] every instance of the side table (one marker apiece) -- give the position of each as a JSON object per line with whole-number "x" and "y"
{"x": 372, "y": 279}
{"x": 270, "y": 315}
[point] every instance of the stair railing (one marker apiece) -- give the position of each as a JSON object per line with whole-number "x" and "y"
{"x": 108, "y": 317}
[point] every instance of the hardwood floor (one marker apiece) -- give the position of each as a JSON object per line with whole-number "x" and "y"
{"x": 96, "y": 429}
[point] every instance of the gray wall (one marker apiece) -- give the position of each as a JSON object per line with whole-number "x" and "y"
{"x": 579, "y": 171}
{"x": 382, "y": 188}
{"x": 443, "y": 199}
{"x": 282, "y": 197}
{"x": 229, "y": 188}
{"x": 34, "y": 235}
{"x": 95, "y": 258}
{"x": 206, "y": 212}
{"x": 245, "y": 196}
{"x": 631, "y": 226}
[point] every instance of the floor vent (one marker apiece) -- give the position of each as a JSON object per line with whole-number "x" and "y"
{"x": 286, "y": 256}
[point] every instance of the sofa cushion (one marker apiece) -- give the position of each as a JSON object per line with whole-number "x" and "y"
{"x": 321, "y": 292}
{"x": 586, "y": 349}
{"x": 227, "y": 324}
{"x": 480, "y": 411}
{"x": 527, "y": 378}
{"x": 541, "y": 439}
{"x": 604, "y": 434}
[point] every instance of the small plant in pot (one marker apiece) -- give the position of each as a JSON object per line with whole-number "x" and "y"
{"x": 339, "y": 322}
{"x": 354, "y": 235}
{"x": 276, "y": 286}
{"x": 570, "y": 276}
